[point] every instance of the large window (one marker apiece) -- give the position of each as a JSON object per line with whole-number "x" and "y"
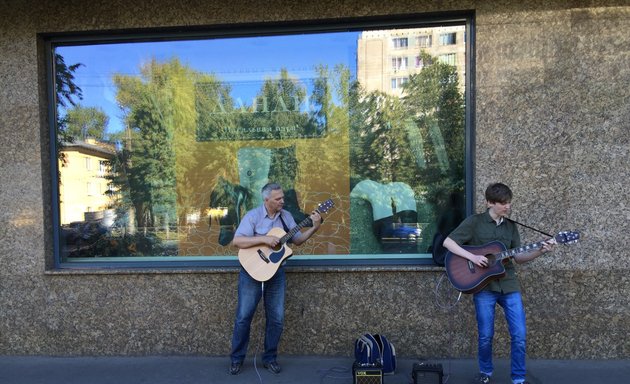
{"x": 187, "y": 127}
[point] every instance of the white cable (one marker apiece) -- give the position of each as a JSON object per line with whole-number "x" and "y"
{"x": 441, "y": 303}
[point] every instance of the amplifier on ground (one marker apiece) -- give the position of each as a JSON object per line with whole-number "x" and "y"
{"x": 367, "y": 374}
{"x": 425, "y": 373}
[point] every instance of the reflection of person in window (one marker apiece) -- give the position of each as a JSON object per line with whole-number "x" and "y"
{"x": 392, "y": 203}
{"x": 452, "y": 215}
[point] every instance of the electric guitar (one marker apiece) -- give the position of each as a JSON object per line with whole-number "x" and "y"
{"x": 467, "y": 277}
{"x": 261, "y": 261}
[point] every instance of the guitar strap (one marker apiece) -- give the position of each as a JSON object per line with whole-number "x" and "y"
{"x": 527, "y": 226}
{"x": 286, "y": 229}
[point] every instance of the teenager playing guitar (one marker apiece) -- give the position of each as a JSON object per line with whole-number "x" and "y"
{"x": 480, "y": 229}
{"x": 254, "y": 231}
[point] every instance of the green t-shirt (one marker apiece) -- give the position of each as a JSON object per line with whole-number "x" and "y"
{"x": 480, "y": 229}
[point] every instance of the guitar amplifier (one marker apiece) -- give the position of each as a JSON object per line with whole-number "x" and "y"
{"x": 367, "y": 374}
{"x": 423, "y": 373}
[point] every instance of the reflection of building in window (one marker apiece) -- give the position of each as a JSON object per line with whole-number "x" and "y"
{"x": 385, "y": 55}
{"x": 448, "y": 38}
{"x": 397, "y": 82}
{"x": 400, "y": 42}
{"x": 102, "y": 168}
{"x": 424, "y": 41}
{"x": 399, "y": 63}
{"x": 82, "y": 186}
{"x": 449, "y": 58}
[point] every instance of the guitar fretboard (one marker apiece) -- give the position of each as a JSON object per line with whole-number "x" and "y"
{"x": 516, "y": 251}
{"x": 322, "y": 208}
{"x": 295, "y": 230}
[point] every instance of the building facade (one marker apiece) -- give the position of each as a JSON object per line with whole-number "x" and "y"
{"x": 385, "y": 60}
{"x": 551, "y": 117}
{"x": 84, "y": 189}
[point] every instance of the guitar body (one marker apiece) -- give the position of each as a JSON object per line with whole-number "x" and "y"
{"x": 262, "y": 262}
{"x": 470, "y": 278}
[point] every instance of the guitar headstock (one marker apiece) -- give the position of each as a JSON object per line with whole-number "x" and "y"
{"x": 567, "y": 237}
{"x": 325, "y": 206}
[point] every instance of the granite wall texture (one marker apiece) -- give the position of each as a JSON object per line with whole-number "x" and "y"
{"x": 552, "y": 112}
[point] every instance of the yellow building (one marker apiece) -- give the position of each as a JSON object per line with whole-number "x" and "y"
{"x": 83, "y": 186}
{"x": 386, "y": 58}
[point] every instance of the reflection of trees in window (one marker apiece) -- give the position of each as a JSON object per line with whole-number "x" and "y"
{"x": 186, "y": 132}
{"x": 435, "y": 105}
{"x": 417, "y": 139}
{"x": 280, "y": 110}
{"x": 170, "y": 107}
{"x": 146, "y": 165}
{"x": 66, "y": 91}
{"x": 86, "y": 122}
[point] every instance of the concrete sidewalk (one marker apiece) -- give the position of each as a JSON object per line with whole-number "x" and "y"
{"x": 295, "y": 369}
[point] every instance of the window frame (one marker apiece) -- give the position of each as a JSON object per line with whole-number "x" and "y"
{"x": 51, "y": 40}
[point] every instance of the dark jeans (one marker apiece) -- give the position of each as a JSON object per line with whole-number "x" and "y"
{"x": 249, "y": 293}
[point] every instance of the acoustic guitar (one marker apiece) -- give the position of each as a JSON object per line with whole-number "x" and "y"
{"x": 467, "y": 277}
{"x": 261, "y": 261}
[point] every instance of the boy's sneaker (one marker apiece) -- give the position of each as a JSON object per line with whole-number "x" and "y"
{"x": 272, "y": 367}
{"x": 482, "y": 378}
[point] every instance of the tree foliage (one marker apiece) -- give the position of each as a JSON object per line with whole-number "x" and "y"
{"x": 417, "y": 139}
{"x": 148, "y": 157}
{"x": 86, "y": 122}
{"x": 67, "y": 93}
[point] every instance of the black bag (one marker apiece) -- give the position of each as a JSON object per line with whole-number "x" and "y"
{"x": 437, "y": 249}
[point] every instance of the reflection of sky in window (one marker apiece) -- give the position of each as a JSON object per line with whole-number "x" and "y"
{"x": 243, "y": 62}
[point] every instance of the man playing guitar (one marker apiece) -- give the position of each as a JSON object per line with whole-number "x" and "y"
{"x": 253, "y": 231}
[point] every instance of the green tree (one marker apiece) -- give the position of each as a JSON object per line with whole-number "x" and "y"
{"x": 380, "y": 148}
{"x": 436, "y": 115}
{"x": 66, "y": 92}
{"x": 148, "y": 157}
{"x": 86, "y": 122}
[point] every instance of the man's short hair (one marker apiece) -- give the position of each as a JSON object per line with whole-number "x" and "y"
{"x": 266, "y": 190}
{"x": 498, "y": 193}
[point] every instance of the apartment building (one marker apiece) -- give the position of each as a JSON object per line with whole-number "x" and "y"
{"x": 83, "y": 186}
{"x": 386, "y": 59}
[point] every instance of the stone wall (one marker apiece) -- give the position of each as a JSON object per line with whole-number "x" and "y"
{"x": 551, "y": 120}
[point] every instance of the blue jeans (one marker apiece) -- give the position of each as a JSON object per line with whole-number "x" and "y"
{"x": 485, "y": 302}
{"x": 249, "y": 293}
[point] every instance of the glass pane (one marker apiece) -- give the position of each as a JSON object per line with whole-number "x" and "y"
{"x": 163, "y": 146}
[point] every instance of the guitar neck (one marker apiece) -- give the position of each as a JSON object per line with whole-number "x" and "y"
{"x": 515, "y": 251}
{"x": 323, "y": 207}
{"x": 295, "y": 230}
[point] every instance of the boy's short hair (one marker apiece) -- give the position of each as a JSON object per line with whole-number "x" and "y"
{"x": 498, "y": 193}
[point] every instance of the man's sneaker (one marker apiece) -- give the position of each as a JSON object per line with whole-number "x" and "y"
{"x": 235, "y": 367}
{"x": 482, "y": 378}
{"x": 272, "y": 367}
